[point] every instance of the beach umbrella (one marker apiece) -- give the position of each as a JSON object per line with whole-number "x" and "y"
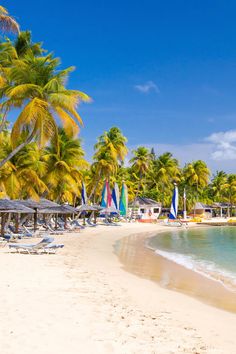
{"x": 60, "y": 209}
{"x": 124, "y": 200}
{"x": 8, "y": 206}
{"x": 109, "y": 210}
{"x": 86, "y": 207}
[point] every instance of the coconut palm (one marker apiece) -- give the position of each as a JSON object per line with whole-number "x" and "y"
{"x": 7, "y": 22}
{"x": 141, "y": 163}
{"x": 230, "y": 191}
{"x": 110, "y": 152}
{"x": 36, "y": 87}
{"x": 165, "y": 172}
{"x": 22, "y": 176}
{"x": 64, "y": 168}
{"x": 196, "y": 177}
{"x": 113, "y": 143}
{"x": 218, "y": 185}
{"x": 196, "y": 174}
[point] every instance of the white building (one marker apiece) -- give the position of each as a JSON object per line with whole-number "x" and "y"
{"x": 145, "y": 209}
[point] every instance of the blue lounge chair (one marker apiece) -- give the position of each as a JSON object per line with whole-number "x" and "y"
{"x": 43, "y": 246}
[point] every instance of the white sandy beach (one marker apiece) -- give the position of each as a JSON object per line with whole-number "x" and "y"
{"x": 82, "y": 301}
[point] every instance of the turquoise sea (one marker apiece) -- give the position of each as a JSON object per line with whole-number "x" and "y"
{"x": 208, "y": 251}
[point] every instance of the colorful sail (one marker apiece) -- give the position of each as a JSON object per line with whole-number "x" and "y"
{"x": 124, "y": 200}
{"x": 84, "y": 194}
{"x": 106, "y": 196}
{"x": 174, "y": 204}
{"x": 115, "y": 197}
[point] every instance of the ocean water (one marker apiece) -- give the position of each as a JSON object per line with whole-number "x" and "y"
{"x": 208, "y": 251}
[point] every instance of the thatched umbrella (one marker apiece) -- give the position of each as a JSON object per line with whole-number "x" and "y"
{"x": 38, "y": 206}
{"x": 86, "y": 207}
{"x": 8, "y": 206}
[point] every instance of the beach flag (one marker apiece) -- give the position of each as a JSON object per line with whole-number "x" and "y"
{"x": 84, "y": 194}
{"x": 174, "y": 204}
{"x": 124, "y": 200}
{"x": 115, "y": 195}
{"x": 106, "y": 196}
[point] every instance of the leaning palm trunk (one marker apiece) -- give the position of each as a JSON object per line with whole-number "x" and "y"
{"x": 93, "y": 192}
{"x": 16, "y": 150}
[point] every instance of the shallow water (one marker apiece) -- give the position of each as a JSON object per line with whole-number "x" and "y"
{"x": 199, "y": 262}
{"x": 209, "y": 251}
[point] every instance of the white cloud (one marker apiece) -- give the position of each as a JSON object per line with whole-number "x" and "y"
{"x": 147, "y": 87}
{"x": 206, "y": 151}
{"x": 224, "y": 145}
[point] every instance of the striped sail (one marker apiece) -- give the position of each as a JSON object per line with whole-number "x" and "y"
{"x": 124, "y": 200}
{"x": 174, "y": 204}
{"x": 115, "y": 197}
{"x": 106, "y": 196}
{"x": 84, "y": 194}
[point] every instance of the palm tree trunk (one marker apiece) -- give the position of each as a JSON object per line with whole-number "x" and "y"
{"x": 16, "y": 150}
{"x": 93, "y": 192}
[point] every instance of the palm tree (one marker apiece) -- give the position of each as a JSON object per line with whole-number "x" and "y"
{"x": 113, "y": 143}
{"x": 196, "y": 177}
{"x": 36, "y": 86}
{"x": 141, "y": 163}
{"x": 165, "y": 171}
{"x": 218, "y": 185}
{"x": 110, "y": 153}
{"x": 22, "y": 176}
{"x": 230, "y": 191}
{"x": 64, "y": 168}
{"x": 8, "y": 23}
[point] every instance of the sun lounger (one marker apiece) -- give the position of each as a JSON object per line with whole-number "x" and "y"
{"x": 89, "y": 223}
{"x": 45, "y": 245}
{"x": 77, "y": 224}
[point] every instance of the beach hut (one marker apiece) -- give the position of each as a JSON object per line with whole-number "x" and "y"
{"x": 145, "y": 209}
{"x": 202, "y": 210}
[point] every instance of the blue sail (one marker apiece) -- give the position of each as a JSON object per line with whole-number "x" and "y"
{"x": 115, "y": 197}
{"x": 174, "y": 204}
{"x": 84, "y": 194}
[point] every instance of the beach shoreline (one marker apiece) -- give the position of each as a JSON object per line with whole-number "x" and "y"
{"x": 82, "y": 300}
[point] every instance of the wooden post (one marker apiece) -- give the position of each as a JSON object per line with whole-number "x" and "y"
{"x": 17, "y": 223}
{"x": 2, "y": 224}
{"x": 35, "y": 219}
{"x": 65, "y": 222}
{"x": 56, "y": 221}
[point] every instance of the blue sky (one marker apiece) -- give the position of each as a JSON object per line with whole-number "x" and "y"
{"x": 163, "y": 71}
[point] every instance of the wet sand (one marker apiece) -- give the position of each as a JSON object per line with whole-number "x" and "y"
{"x": 138, "y": 259}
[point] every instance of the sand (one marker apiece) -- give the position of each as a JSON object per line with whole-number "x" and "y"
{"x": 81, "y": 300}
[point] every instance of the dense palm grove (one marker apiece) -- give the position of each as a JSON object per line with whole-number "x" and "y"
{"x": 41, "y": 155}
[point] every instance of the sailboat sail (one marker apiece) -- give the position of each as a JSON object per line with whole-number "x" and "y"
{"x": 124, "y": 200}
{"x": 174, "y": 204}
{"x": 106, "y": 196}
{"x": 84, "y": 194}
{"x": 115, "y": 197}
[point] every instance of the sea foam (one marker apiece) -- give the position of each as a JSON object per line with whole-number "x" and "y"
{"x": 203, "y": 267}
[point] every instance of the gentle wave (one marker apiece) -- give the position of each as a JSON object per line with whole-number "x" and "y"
{"x": 205, "y": 268}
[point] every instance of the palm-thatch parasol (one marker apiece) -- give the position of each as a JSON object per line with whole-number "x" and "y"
{"x": 8, "y": 206}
